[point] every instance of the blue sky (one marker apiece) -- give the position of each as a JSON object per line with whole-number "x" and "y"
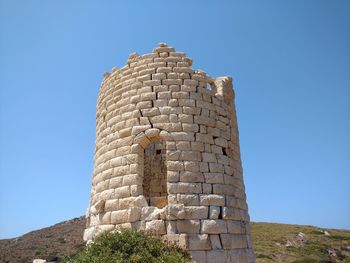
{"x": 290, "y": 61}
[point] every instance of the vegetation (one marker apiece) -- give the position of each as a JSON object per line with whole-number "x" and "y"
{"x": 299, "y": 244}
{"x": 129, "y": 246}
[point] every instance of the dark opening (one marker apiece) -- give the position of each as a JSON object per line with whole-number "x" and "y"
{"x": 155, "y": 175}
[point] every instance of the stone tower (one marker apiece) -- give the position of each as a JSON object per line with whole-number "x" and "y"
{"x": 167, "y": 158}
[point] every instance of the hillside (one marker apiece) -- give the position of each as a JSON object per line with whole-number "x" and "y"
{"x": 272, "y": 243}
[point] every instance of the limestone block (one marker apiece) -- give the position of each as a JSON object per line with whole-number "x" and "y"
{"x": 218, "y": 150}
{"x": 194, "y": 177}
{"x": 204, "y": 138}
{"x": 214, "y": 212}
{"x": 150, "y": 213}
{"x": 122, "y": 192}
{"x": 149, "y": 112}
{"x": 174, "y": 212}
{"x": 199, "y": 256}
{"x": 136, "y": 190}
{"x": 198, "y": 242}
{"x": 99, "y": 206}
{"x": 224, "y": 189}
{"x": 218, "y": 256}
{"x": 156, "y": 227}
{"x": 196, "y": 212}
{"x": 175, "y": 166}
{"x": 159, "y": 119}
{"x": 214, "y": 178}
{"x": 182, "y": 136}
{"x": 163, "y": 48}
{"x": 173, "y": 176}
{"x": 171, "y": 227}
{"x": 158, "y": 76}
{"x": 103, "y": 228}
{"x": 235, "y": 227}
{"x": 189, "y": 127}
{"x": 238, "y": 255}
{"x": 216, "y": 168}
{"x": 213, "y": 226}
{"x": 134, "y": 214}
{"x": 139, "y": 201}
{"x": 111, "y": 205}
{"x": 209, "y": 157}
{"x": 188, "y": 199}
{"x": 211, "y": 199}
{"x": 183, "y": 145}
{"x": 152, "y": 133}
{"x": 164, "y": 70}
{"x": 184, "y": 188}
{"x": 231, "y": 241}
{"x": 147, "y": 96}
{"x": 164, "y": 95}
{"x": 205, "y": 121}
{"x": 119, "y": 216}
{"x": 231, "y": 213}
{"x": 204, "y": 167}
{"x": 188, "y": 226}
{"x": 190, "y": 156}
{"x": 172, "y": 199}
{"x": 207, "y": 188}
{"x": 88, "y": 233}
{"x": 191, "y": 166}
{"x": 197, "y": 146}
{"x": 250, "y": 255}
{"x": 173, "y": 103}
{"x": 132, "y": 179}
{"x": 215, "y": 242}
{"x": 124, "y": 226}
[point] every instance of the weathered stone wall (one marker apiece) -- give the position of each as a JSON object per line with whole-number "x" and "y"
{"x": 157, "y": 104}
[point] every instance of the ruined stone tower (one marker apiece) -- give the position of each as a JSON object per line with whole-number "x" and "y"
{"x": 167, "y": 158}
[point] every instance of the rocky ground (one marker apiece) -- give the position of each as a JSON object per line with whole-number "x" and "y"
{"x": 272, "y": 243}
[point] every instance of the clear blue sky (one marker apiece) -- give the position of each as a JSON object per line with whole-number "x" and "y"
{"x": 290, "y": 61}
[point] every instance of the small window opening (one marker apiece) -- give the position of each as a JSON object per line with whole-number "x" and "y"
{"x": 159, "y": 151}
{"x": 224, "y": 151}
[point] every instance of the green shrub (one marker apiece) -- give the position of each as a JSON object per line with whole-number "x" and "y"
{"x": 129, "y": 246}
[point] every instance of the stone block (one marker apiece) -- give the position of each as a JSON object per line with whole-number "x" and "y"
{"x": 215, "y": 242}
{"x": 209, "y": 157}
{"x": 214, "y": 256}
{"x": 238, "y": 255}
{"x": 198, "y": 242}
{"x": 194, "y": 177}
{"x": 232, "y": 213}
{"x": 213, "y": 226}
{"x": 188, "y": 226}
{"x": 214, "y": 178}
{"x": 155, "y": 227}
{"x": 211, "y": 199}
{"x": 235, "y": 227}
{"x": 190, "y": 156}
{"x": 171, "y": 227}
{"x": 232, "y": 241}
{"x": 188, "y": 199}
{"x": 174, "y": 212}
{"x": 196, "y": 212}
{"x": 214, "y": 212}
{"x": 198, "y": 256}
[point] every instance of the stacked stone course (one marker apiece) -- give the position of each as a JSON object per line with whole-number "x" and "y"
{"x": 167, "y": 158}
